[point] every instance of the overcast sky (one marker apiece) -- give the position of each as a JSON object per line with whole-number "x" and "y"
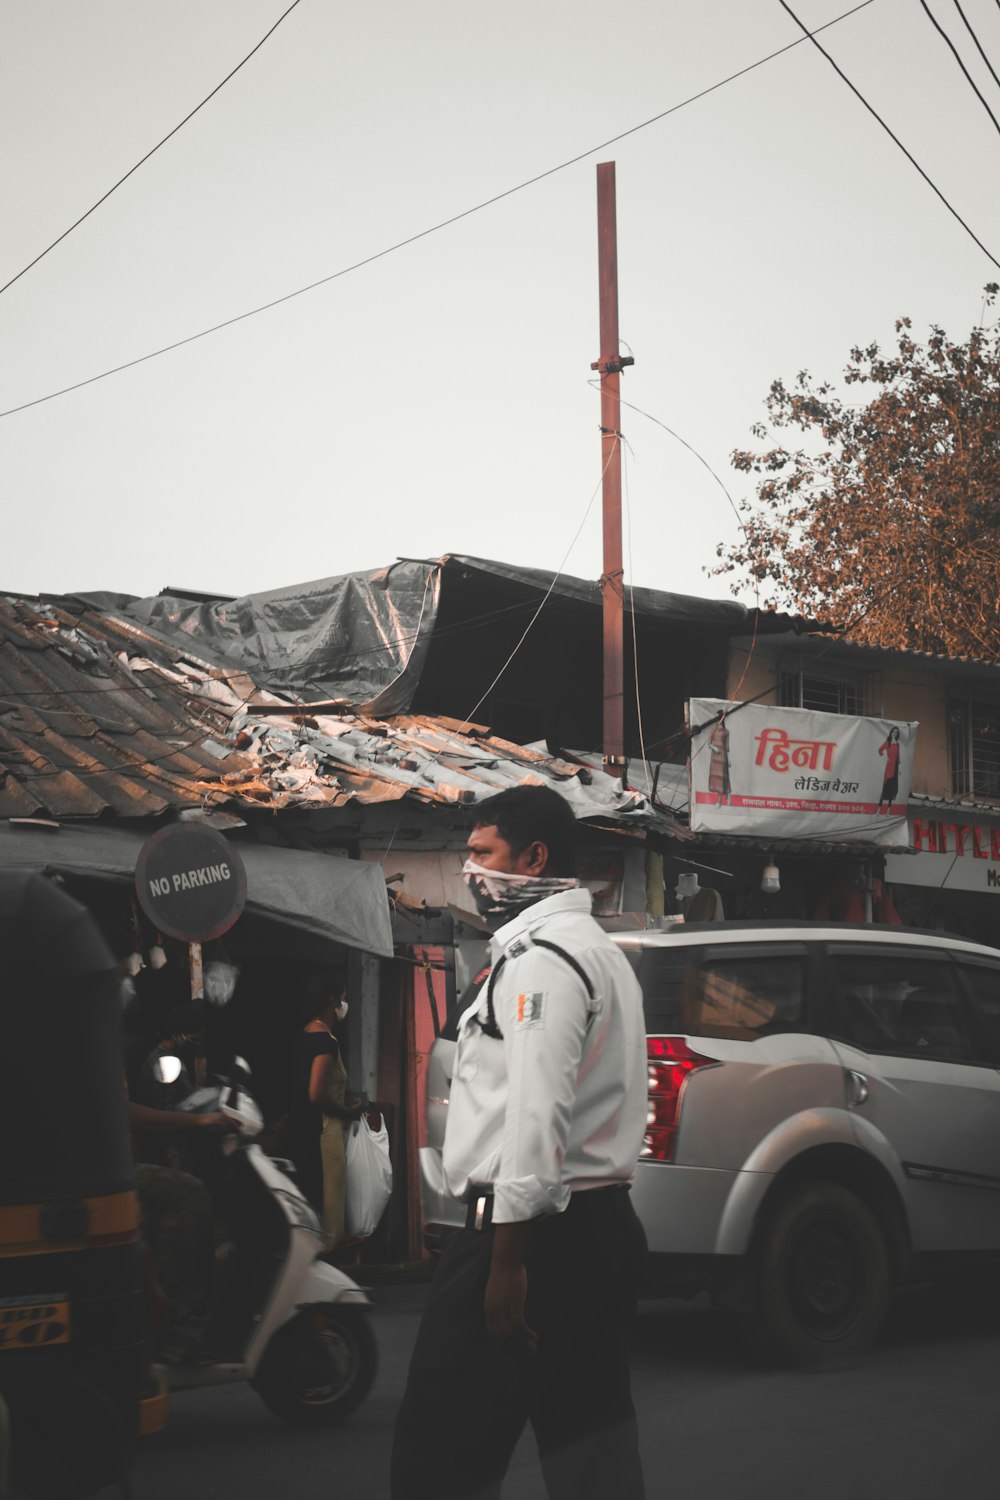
{"x": 438, "y": 399}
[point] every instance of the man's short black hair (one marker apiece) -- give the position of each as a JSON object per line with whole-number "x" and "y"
{"x": 525, "y": 814}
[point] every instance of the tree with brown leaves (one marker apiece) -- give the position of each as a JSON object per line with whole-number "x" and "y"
{"x": 886, "y": 521}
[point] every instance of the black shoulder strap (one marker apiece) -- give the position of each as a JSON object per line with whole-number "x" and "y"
{"x": 490, "y": 1025}
{"x": 577, "y": 968}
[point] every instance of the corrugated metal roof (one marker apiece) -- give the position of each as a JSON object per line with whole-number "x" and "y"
{"x": 821, "y": 636}
{"x": 80, "y": 736}
{"x": 98, "y": 716}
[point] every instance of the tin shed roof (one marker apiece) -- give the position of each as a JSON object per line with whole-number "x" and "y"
{"x": 100, "y": 716}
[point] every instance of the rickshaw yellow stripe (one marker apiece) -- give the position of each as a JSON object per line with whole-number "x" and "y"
{"x": 112, "y": 1216}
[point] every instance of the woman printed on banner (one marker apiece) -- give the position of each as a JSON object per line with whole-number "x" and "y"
{"x": 718, "y": 769}
{"x": 890, "y": 748}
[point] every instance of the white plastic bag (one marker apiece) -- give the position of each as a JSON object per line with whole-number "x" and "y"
{"x": 369, "y": 1177}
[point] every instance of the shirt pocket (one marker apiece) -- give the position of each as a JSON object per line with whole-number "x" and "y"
{"x": 468, "y": 1053}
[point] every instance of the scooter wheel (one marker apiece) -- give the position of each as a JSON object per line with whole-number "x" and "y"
{"x": 319, "y": 1367}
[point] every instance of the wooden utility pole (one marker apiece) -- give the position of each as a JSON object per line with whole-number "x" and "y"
{"x": 610, "y": 365}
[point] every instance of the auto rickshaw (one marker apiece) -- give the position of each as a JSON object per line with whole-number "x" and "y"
{"x": 75, "y": 1375}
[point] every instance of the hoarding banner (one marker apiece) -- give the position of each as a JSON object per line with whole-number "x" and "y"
{"x": 956, "y": 851}
{"x": 791, "y": 773}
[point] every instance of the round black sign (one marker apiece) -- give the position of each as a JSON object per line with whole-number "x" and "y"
{"x": 190, "y": 882}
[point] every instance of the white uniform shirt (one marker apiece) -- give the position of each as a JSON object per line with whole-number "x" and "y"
{"x": 559, "y": 1104}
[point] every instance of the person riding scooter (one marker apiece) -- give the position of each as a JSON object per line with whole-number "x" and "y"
{"x": 279, "y": 1317}
{"x": 261, "y": 1307}
{"x": 177, "y": 1211}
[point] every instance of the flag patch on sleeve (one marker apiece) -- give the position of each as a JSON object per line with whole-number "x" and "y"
{"x": 530, "y": 1011}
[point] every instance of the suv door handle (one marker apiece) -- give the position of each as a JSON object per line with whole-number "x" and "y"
{"x": 858, "y": 1087}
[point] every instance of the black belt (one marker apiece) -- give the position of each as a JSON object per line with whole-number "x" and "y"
{"x": 479, "y": 1202}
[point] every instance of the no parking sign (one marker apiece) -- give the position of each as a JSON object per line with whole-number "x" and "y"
{"x": 190, "y": 882}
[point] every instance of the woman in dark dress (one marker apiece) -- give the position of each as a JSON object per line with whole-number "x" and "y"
{"x": 313, "y": 1132}
{"x": 890, "y": 784}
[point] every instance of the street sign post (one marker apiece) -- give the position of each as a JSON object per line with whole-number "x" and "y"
{"x": 192, "y": 885}
{"x": 190, "y": 882}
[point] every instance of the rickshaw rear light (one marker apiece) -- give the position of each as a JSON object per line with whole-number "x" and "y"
{"x": 670, "y": 1063}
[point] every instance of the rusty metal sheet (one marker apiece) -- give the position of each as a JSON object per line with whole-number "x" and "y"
{"x": 15, "y": 800}
{"x": 99, "y": 715}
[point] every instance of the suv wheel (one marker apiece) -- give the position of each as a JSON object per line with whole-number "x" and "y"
{"x": 820, "y": 1278}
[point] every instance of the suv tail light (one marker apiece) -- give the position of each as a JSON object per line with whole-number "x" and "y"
{"x": 671, "y": 1061}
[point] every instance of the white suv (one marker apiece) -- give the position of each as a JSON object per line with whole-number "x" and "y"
{"x": 824, "y": 1122}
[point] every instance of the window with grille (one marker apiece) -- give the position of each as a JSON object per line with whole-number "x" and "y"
{"x": 975, "y": 748}
{"x": 823, "y": 692}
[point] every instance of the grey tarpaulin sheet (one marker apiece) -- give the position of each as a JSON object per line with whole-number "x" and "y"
{"x": 684, "y": 608}
{"x": 343, "y": 900}
{"x": 362, "y": 637}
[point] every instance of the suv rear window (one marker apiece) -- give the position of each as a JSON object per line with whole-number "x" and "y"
{"x": 661, "y": 974}
{"x": 736, "y": 994}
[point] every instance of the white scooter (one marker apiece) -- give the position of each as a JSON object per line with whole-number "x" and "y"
{"x": 299, "y": 1326}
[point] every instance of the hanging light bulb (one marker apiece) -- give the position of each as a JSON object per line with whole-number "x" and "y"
{"x": 770, "y": 878}
{"x": 167, "y": 1068}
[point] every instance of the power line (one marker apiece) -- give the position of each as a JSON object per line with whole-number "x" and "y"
{"x": 190, "y": 116}
{"x": 979, "y": 48}
{"x": 635, "y": 641}
{"x": 545, "y": 599}
{"x": 756, "y": 585}
{"x": 423, "y": 233}
{"x": 957, "y": 56}
{"x": 527, "y": 630}
{"x": 872, "y": 111}
{"x": 10, "y": 693}
{"x": 684, "y": 443}
{"x": 26, "y": 776}
{"x": 410, "y": 637}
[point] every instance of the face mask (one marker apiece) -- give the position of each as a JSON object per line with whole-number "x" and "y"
{"x": 341, "y": 1010}
{"x": 499, "y": 895}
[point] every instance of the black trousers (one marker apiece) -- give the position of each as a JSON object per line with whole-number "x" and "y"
{"x": 467, "y": 1399}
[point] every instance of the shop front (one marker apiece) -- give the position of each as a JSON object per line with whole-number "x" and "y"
{"x": 304, "y": 913}
{"x": 949, "y": 877}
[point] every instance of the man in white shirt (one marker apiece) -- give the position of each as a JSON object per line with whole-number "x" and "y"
{"x": 529, "y": 1312}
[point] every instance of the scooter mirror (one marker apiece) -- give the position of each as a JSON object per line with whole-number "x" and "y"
{"x": 167, "y": 1068}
